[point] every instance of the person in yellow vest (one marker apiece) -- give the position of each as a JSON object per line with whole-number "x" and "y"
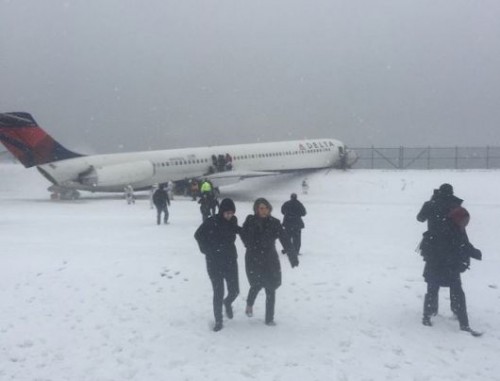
{"x": 206, "y": 187}
{"x": 207, "y": 193}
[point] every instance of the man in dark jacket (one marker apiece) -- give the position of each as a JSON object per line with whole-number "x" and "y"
{"x": 293, "y": 211}
{"x": 259, "y": 234}
{"x": 446, "y": 252}
{"x": 216, "y": 237}
{"x": 161, "y": 200}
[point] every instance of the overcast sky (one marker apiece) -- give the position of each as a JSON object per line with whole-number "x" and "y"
{"x": 125, "y": 75}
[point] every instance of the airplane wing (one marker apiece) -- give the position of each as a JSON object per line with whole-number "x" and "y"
{"x": 232, "y": 176}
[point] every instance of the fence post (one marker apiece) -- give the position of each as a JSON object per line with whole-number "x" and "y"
{"x": 429, "y": 157}
{"x": 401, "y": 157}
{"x": 373, "y": 157}
{"x": 487, "y": 157}
{"x": 456, "y": 157}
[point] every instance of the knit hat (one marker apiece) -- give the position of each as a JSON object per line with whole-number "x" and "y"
{"x": 227, "y": 205}
{"x": 261, "y": 200}
{"x": 446, "y": 189}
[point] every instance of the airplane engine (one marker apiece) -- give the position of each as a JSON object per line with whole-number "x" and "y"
{"x": 111, "y": 175}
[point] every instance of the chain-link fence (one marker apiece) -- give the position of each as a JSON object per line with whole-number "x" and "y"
{"x": 428, "y": 157}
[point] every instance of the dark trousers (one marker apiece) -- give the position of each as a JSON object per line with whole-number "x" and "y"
{"x": 205, "y": 214}
{"x": 159, "y": 211}
{"x": 457, "y": 301}
{"x": 270, "y": 300}
{"x": 295, "y": 237}
{"x": 229, "y": 273}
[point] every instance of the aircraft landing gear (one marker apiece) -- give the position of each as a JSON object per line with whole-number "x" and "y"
{"x": 64, "y": 194}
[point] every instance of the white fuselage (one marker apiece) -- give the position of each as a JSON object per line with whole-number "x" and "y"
{"x": 111, "y": 172}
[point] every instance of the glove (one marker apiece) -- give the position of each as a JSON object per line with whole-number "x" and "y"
{"x": 476, "y": 254}
{"x": 463, "y": 266}
{"x": 294, "y": 261}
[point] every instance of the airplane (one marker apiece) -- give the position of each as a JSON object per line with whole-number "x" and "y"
{"x": 69, "y": 171}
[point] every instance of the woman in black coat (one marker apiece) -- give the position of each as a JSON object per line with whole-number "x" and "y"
{"x": 259, "y": 234}
{"x": 216, "y": 237}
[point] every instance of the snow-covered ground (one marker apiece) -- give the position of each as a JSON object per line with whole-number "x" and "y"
{"x": 94, "y": 290}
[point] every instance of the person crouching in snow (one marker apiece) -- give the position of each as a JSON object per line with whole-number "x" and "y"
{"x": 259, "y": 234}
{"x": 216, "y": 237}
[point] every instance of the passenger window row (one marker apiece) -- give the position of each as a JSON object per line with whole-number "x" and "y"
{"x": 242, "y": 157}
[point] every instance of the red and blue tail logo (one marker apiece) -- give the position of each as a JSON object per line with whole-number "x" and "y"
{"x": 28, "y": 142}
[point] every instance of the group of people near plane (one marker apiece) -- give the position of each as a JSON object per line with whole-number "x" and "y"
{"x": 445, "y": 248}
{"x": 216, "y": 238}
{"x": 159, "y": 198}
{"x": 162, "y": 194}
{"x": 221, "y": 163}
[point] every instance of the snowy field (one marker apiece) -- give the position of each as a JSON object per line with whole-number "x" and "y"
{"x": 94, "y": 290}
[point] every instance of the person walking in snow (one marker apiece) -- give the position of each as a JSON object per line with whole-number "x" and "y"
{"x": 161, "y": 201}
{"x": 259, "y": 234}
{"x": 305, "y": 186}
{"x": 208, "y": 200}
{"x": 129, "y": 194}
{"x": 293, "y": 211}
{"x": 446, "y": 251}
{"x": 216, "y": 237}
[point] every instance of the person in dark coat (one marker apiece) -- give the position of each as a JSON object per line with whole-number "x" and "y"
{"x": 216, "y": 237}
{"x": 446, "y": 251}
{"x": 205, "y": 206}
{"x": 161, "y": 200}
{"x": 293, "y": 211}
{"x": 259, "y": 234}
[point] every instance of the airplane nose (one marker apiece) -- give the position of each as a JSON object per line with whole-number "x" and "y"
{"x": 352, "y": 157}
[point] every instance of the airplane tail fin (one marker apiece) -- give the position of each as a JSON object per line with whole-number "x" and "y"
{"x": 31, "y": 145}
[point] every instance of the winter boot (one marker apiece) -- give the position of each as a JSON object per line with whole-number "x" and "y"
{"x": 471, "y": 331}
{"x": 229, "y": 310}
{"x": 217, "y": 326}
{"x": 249, "y": 311}
{"x": 431, "y": 305}
{"x": 426, "y": 320}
